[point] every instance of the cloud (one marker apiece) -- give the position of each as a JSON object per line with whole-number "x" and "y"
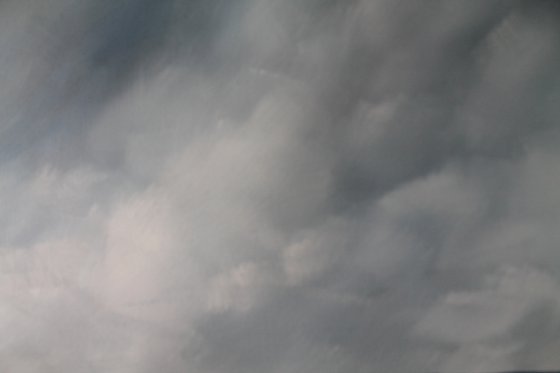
{"x": 293, "y": 186}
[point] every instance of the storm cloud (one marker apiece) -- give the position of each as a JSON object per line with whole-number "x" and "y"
{"x": 279, "y": 186}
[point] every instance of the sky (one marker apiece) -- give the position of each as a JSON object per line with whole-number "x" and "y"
{"x": 282, "y": 186}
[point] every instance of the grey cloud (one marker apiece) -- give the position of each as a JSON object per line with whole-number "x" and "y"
{"x": 289, "y": 186}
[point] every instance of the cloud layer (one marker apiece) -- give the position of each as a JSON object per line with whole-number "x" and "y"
{"x": 279, "y": 186}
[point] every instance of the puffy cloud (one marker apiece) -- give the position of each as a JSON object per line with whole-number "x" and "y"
{"x": 291, "y": 186}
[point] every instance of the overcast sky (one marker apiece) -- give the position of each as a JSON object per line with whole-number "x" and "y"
{"x": 280, "y": 186}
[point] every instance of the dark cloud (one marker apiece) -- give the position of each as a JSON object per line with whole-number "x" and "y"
{"x": 282, "y": 186}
